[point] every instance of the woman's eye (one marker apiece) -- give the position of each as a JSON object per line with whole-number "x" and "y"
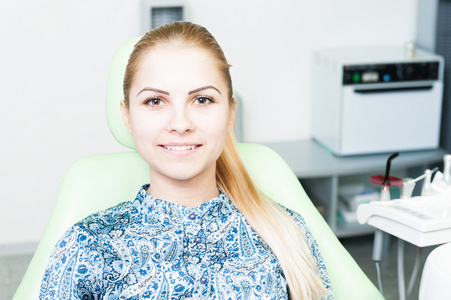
{"x": 203, "y": 100}
{"x": 153, "y": 101}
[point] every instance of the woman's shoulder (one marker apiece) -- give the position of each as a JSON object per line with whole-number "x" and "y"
{"x": 314, "y": 248}
{"x": 74, "y": 249}
{"x": 299, "y": 220}
{"x": 297, "y": 217}
{"x": 93, "y": 228}
{"x": 107, "y": 220}
{"x": 98, "y": 224}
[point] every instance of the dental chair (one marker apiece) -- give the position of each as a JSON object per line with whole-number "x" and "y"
{"x": 101, "y": 181}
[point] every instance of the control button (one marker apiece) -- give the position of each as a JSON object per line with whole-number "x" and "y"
{"x": 203, "y": 280}
{"x": 386, "y": 78}
{"x": 198, "y": 239}
{"x": 192, "y": 216}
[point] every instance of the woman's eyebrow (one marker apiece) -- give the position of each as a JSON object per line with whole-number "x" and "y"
{"x": 153, "y": 90}
{"x": 204, "y": 88}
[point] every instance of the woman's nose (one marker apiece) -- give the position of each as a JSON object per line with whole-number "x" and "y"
{"x": 180, "y": 121}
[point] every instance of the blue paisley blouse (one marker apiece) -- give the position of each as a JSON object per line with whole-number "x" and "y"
{"x": 153, "y": 249}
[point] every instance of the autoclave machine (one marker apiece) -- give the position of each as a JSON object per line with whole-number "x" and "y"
{"x": 374, "y": 100}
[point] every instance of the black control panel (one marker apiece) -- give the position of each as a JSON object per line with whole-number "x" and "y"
{"x": 383, "y": 73}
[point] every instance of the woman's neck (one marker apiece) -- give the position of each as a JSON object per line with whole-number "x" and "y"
{"x": 190, "y": 193}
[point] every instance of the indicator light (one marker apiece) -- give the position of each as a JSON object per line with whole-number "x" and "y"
{"x": 386, "y": 78}
{"x": 356, "y": 77}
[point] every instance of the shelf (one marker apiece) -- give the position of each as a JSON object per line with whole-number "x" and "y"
{"x": 310, "y": 160}
{"x": 344, "y": 230}
{"x": 321, "y": 173}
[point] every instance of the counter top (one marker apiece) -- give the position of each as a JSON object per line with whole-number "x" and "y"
{"x": 308, "y": 159}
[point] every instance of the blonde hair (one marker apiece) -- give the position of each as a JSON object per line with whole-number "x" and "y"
{"x": 267, "y": 218}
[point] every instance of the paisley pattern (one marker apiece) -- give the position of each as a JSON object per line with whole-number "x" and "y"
{"x": 152, "y": 249}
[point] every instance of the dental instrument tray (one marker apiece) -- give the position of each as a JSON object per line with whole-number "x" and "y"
{"x": 422, "y": 221}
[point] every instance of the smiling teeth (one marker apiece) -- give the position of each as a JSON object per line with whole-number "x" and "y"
{"x": 180, "y": 148}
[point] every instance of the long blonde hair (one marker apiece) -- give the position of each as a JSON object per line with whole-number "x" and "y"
{"x": 268, "y": 219}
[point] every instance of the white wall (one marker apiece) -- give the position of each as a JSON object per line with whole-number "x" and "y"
{"x": 270, "y": 47}
{"x": 54, "y": 58}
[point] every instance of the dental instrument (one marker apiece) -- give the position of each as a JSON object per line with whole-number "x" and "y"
{"x": 379, "y": 235}
{"x": 422, "y": 221}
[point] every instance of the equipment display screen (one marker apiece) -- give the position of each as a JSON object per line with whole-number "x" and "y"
{"x": 383, "y": 73}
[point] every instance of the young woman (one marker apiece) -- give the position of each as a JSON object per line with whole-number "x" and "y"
{"x": 200, "y": 230}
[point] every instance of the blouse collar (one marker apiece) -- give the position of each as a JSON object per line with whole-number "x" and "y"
{"x": 147, "y": 203}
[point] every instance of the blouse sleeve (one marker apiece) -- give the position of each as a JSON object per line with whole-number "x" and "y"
{"x": 73, "y": 271}
{"x": 316, "y": 253}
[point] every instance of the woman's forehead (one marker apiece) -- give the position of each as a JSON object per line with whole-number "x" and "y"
{"x": 177, "y": 63}
{"x": 178, "y": 53}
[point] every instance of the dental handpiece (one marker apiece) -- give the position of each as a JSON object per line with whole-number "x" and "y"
{"x": 426, "y": 189}
{"x": 447, "y": 169}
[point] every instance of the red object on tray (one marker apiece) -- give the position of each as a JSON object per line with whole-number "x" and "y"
{"x": 380, "y": 180}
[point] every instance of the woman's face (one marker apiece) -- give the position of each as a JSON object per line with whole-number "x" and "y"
{"x": 179, "y": 113}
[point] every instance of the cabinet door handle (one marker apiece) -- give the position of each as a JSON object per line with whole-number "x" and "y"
{"x": 391, "y": 90}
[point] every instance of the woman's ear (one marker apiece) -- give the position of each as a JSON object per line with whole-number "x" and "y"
{"x": 232, "y": 115}
{"x": 126, "y": 117}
